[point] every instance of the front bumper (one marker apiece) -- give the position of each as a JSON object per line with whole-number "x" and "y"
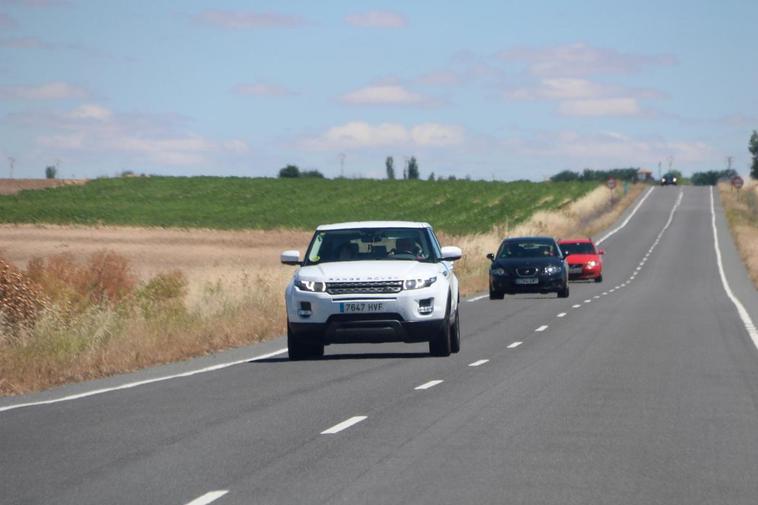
{"x": 367, "y": 328}
{"x": 581, "y": 272}
{"x": 509, "y": 285}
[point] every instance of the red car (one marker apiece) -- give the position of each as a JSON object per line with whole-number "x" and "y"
{"x": 583, "y": 259}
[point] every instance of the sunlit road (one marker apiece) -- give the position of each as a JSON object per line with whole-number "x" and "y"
{"x": 642, "y": 389}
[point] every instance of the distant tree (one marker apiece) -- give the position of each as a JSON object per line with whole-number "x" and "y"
{"x": 431, "y": 176}
{"x": 405, "y": 173}
{"x": 565, "y": 176}
{"x": 312, "y": 173}
{"x": 389, "y": 163}
{"x": 753, "y": 148}
{"x": 51, "y": 172}
{"x": 291, "y": 171}
{"x": 452, "y": 178}
{"x": 127, "y": 173}
{"x": 413, "y": 172}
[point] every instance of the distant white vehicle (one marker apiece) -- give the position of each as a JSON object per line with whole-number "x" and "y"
{"x": 371, "y": 282}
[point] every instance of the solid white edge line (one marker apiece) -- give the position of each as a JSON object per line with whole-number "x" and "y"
{"x": 561, "y": 314}
{"x": 130, "y": 385}
{"x": 542, "y": 328}
{"x": 634, "y": 211}
{"x": 478, "y": 362}
{"x": 514, "y": 345}
{"x": 476, "y": 298}
{"x": 744, "y": 316}
{"x": 344, "y": 425}
{"x": 208, "y": 498}
{"x": 429, "y": 384}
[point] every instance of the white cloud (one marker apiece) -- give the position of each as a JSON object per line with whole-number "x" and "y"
{"x": 261, "y": 89}
{"x": 50, "y": 91}
{"x": 241, "y": 20}
{"x": 358, "y": 134}
{"x": 377, "y": 19}
{"x": 95, "y": 130}
{"x": 607, "y": 149}
{"x": 600, "y": 107}
{"x": 440, "y": 78}
{"x": 91, "y": 111}
{"x": 580, "y": 59}
{"x": 437, "y": 135}
{"x": 383, "y": 94}
{"x": 560, "y": 88}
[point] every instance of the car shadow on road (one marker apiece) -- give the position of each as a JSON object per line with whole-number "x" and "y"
{"x": 351, "y": 356}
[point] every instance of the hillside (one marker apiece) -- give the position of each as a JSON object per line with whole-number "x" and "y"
{"x": 260, "y": 203}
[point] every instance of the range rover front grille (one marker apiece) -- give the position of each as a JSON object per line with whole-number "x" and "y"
{"x": 364, "y": 288}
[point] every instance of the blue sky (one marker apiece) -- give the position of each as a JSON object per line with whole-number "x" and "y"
{"x": 488, "y": 89}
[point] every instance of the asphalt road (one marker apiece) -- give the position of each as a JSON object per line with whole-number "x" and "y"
{"x": 642, "y": 389}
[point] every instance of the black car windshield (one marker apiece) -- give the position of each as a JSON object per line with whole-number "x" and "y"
{"x": 528, "y": 248}
{"x": 410, "y": 244}
{"x": 578, "y": 248}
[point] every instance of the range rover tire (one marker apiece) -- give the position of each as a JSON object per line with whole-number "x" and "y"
{"x": 298, "y": 349}
{"x": 455, "y": 334}
{"x": 439, "y": 345}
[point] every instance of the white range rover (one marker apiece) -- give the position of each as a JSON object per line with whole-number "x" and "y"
{"x": 373, "y": 281}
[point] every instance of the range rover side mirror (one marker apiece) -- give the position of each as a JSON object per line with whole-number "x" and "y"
{"x": 291, "y": 257}
{"x": 451, "y": 253}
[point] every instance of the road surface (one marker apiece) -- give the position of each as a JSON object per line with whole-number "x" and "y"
{"x": 642, "y": 389}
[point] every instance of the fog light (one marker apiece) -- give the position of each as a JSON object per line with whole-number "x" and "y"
{"x": 426, "y": 306}
{"x": 305, "y": 309}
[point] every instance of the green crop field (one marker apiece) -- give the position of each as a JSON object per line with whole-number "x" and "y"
{"x": 234, "y": 203}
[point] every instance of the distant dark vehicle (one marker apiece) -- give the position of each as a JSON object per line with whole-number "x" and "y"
{"x": 668, "y": 180}
{"x": 583, "y": 258}
{"x": 528, "y": 265}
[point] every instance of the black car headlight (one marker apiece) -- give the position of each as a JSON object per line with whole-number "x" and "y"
{"x": 553, "y": 269}
{"x": 498, "y": 271}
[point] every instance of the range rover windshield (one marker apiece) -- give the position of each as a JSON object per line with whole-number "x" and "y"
{"x": 409, "y": 244}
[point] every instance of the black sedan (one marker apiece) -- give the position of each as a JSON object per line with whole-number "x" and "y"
{"x": 668, "y": 180}
{"x": 528, "y": 265}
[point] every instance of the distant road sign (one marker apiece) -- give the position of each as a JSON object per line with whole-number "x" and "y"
{"x": 737, "y": 181}
{"x": 611, "y": 183}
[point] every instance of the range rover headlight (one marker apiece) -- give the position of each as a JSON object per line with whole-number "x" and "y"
{"x": 313, "y": 286}
{"x": 552, "y": 269}
{"x": 419, "y": 283}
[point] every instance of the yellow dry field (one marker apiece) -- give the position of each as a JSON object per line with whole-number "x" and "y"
{"x": 206, "y": 257}
{"x": 13, "y": 186}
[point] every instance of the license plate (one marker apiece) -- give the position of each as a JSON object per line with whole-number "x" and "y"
{"x": 528, "y": 280}
{"x": 349, "y": 308}
{"x": 575, "y": 270}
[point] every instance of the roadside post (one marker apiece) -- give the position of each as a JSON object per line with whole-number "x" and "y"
{"x": 611, "y": 186}
{"x": 737, "y": 183}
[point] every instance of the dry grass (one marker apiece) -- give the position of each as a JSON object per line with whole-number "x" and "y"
{"x": 173, "y": 294}
{"x": 742, "y": 214}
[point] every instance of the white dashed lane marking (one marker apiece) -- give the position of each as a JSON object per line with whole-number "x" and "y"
{"x": 514, "y": 345}
{"x": 479, "y": 362}
{"x": 343, "y": 425}
{"x": 576, "y": 305}
{"x": 542, "y": 328}
{"x": 429, "y": 384}
{"x": 561, "y": 314}
{"x": 208, "y": 498}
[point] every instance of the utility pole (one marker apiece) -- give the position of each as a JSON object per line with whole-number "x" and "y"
{"x": 729, "y": 160}
{"x": 12, "y": 163}
{"x": 671, "y": 162}
{"x": 342, "y": 164}
{"x": 659, "y": 170}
